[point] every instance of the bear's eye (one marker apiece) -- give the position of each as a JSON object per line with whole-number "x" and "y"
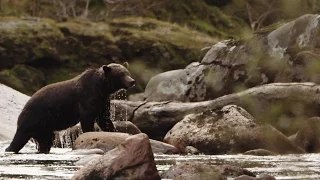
{"x": 122, "y": 74}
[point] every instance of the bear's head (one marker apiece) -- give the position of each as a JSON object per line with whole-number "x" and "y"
{"x": 117, "y": 76}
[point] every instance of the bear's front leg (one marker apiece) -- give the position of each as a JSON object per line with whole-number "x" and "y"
{"x": 104, "y": 120}
{"x": 88, "y": 113}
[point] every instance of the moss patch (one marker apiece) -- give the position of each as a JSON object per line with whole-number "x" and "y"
{"x": 23, "y": 78}
{"x": 160, "y": 31}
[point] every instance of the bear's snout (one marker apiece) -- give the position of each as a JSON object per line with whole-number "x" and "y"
{"x": 132, "y": 83}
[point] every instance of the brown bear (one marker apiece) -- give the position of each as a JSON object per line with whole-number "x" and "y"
{"x": 61, "y": 105}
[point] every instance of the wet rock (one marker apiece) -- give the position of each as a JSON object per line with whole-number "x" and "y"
{"x": 162, "y": 148}
{"x": 233, "y": 171}
{"x": 85, "y": 160}
{"x": 308, "y": 135}
{"x": 229, "y": 130}
{"x": 191, "y": 150}
{"x": 102, "y": 140}
{"x": 181, "y": 85}
{"x": 259, "y": 152}
{"x": 265, "y": 177}
{"x": 132, "y": 159}
{"x": 11, "y": 104}
{"x": 86, "y": 152}
{"x": 199, "y": 170}
{"x": 66, "y": 138}
{"x": 261, "y": 177}
{"x": 126, "y": 127}
{"x": 245, "y": 177}
{"x": 109, "y": 140}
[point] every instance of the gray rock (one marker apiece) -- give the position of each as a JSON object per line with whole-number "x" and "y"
{"x": 287, "y": 54}
{"x": 126, "y": 127}
{"x": 300, "y": 34}
{"x": 259, "y": 152}
{"x": 230, "y": 130}
{"x": 191, "y": 150}
{"x": 159, "y": 147}
{"x": 180, "y": 85}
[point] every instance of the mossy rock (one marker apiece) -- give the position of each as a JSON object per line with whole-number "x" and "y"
{"x": 23, "y": 78}
{"x": 25, "y": 40}
{"x": 167, "y": 45}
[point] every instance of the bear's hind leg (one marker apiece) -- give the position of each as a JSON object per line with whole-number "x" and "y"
{"x": 45, "y": 141}
{"x": 20, "y": 139}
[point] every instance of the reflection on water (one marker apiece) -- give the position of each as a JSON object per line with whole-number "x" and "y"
{"x": 60, "y": 165}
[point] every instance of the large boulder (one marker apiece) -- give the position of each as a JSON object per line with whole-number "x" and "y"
{"x": 199, "y": 170}
{"x": 109, "y": 140}
{"x": 287, "y": 54}
{"x": 38, "y": 37}
{"x": 132, "y": 159}
{"x": 181, "y": 85}
{"x": 229, "y": 130}
{"x": 11, "y": 104}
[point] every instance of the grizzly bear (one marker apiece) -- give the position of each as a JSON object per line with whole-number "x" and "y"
{"x": 58, "y": 106}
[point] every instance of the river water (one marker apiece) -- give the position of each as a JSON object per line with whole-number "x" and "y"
{"x": 59, "y": 164}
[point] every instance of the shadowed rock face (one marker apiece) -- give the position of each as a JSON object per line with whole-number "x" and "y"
{"x": 307, "y": 136}
{"x": 230, "y": 130}
{"x": 132, "y": 159}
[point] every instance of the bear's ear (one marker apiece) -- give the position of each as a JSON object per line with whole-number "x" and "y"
{"x": 106, "y": 69}
{"x": 126, "y": 65}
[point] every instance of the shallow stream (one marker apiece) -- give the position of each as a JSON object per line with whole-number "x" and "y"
{"x": 59, "y": 164}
